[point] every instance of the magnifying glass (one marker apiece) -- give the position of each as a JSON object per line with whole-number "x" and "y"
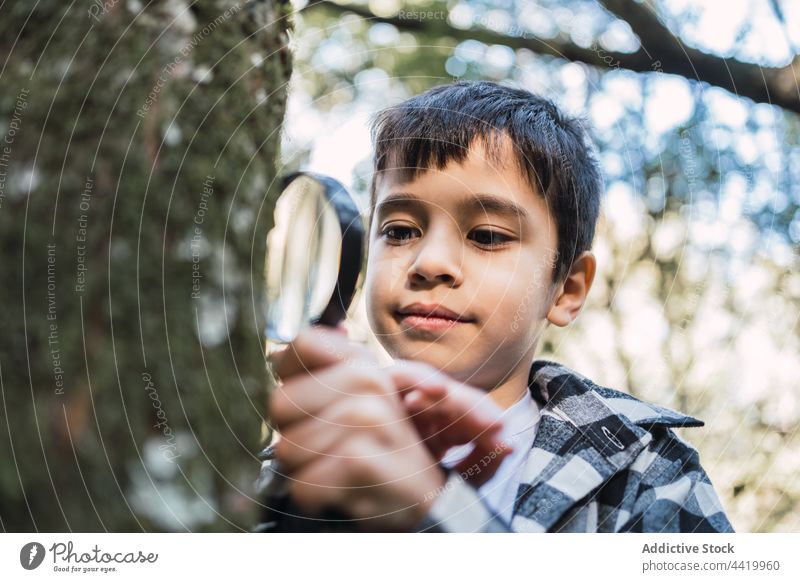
{"x": 314, "y": 258}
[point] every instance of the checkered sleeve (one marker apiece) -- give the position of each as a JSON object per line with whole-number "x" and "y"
{"x": 459, "y": 509}
{"x": 675, "y": 494}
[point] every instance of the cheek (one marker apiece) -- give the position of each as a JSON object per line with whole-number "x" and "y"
{"x": 371, "y": 282}
{"x": 376, "y": 290}
{"x": 386, "y": 272}
{"x": 517, "y": 295}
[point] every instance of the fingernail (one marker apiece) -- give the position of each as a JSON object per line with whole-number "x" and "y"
{"x": 413, "y": 398}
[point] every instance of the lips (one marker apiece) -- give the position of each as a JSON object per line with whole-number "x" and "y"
{"x": 432, "y": 311}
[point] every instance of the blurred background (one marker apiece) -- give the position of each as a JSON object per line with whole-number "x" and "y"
{"x": 141, "y": 145}
{"x": 693, "y": 106}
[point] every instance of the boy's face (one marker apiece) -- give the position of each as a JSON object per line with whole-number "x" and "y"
{"x": 475, "y": 240}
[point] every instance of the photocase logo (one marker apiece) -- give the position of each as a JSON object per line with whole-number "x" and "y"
{"x": 31, "y": 555}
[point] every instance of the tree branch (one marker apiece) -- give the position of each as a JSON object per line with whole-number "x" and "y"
{"x": 777, "y": 86}
{"x": 660, "y": 51}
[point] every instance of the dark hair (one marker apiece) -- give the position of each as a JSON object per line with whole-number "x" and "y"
{"x": 552, "y": 150}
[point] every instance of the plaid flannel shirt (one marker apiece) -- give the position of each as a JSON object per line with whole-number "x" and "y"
{"x": 601, "y": 461}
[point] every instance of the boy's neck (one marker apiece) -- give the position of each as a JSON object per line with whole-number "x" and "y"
{"x": 513, "y": 388}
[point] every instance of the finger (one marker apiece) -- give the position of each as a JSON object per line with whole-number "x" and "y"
{"x": 317, "y": 347}
{"x": 443, "y": 434}
{"x": 458, "y": 434}
{"x": 457, "y": 403}
{"x": 454, "y": 416}
{"x": 423, "y": 388}
{"x": 319, "y": 486}
{"x": 303, "y": 442}
{"x": 306, "y": 396}
{"x": 464, "y": 412}
{"x": 430, "y": 434}
{"x": 482, "y": 463}
{"x": 333, "y": 483}
{"x": 410, "y": 376}
{"x": 454, "y": 429}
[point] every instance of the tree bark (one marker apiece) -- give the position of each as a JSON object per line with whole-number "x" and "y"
{"x": 137, "y": 180}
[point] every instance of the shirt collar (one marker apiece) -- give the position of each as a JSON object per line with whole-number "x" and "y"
{"x": 586, "y": 434}
{"x": 552, "y": 383}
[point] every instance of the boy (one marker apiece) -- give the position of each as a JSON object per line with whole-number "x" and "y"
{"x": 484, "y": 202}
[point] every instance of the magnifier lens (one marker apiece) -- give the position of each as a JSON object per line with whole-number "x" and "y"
{"x": 304, "y": 251}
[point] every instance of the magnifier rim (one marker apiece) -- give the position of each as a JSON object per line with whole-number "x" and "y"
{"x": 353, "y": 238}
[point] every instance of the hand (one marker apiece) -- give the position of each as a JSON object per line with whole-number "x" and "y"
{"x": 454, "y": 414}
{"x": 347, "y": 441}
{"x": 446, "y": 413}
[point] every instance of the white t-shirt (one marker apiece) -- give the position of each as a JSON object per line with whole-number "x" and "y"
{"x": 520, "y": 421}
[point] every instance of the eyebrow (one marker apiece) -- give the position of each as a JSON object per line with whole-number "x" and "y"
{"x": 481, "y": 202}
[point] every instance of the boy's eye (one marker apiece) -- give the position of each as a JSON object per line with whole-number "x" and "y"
{"x": 399, "y": 233}
{"x": 482, "y": 237}
{"x": 489, "y": 238}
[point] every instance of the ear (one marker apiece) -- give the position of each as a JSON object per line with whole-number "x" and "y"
{"x": 572, "y": 293}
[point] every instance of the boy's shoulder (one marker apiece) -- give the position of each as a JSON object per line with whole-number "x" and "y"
{"x": 610, "y": 430}
{"x": 555, "y": 385}
{"x": 602, "y": 453}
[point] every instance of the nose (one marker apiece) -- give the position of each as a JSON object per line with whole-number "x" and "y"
{"x": 438, "y": 259}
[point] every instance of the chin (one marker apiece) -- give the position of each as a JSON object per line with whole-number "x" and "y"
{"x": 439, "y": 356}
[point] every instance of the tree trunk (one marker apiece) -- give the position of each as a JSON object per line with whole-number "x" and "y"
{"x": 137, "y": 181}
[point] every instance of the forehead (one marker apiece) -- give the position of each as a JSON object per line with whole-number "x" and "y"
{"x": 483, "y": 183}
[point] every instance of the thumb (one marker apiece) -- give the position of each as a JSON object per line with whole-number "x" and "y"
{"x": 316, "y": 347}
